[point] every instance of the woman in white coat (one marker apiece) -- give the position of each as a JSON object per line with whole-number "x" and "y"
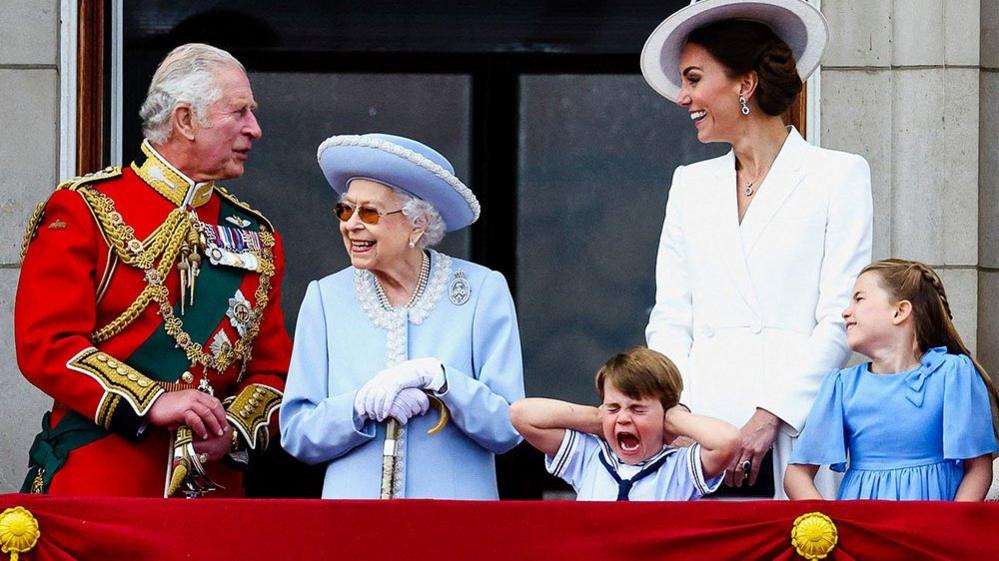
{"x": 760, "y": 247}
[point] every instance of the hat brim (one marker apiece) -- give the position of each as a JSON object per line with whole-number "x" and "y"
{"x": 798, "y": 23}
{"x": 357, "y": 157}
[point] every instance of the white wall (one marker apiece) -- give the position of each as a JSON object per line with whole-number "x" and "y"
{"x": 29, "y": 118}
{"x": 900, "y": 85}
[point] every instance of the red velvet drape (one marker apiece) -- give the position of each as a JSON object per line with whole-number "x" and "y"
{"x": 248, "y": 530}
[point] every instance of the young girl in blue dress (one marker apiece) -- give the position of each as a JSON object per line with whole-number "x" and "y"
{"x": 916, "y": 421}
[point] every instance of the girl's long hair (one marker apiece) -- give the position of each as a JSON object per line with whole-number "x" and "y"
{"x": 920, "y": 285}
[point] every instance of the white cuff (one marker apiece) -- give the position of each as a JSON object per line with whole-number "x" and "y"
{"x": 697, "y": 472}
{"x": 556, "y": 465}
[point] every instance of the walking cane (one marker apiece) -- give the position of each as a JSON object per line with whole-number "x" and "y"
{"x": 390, "y": 453}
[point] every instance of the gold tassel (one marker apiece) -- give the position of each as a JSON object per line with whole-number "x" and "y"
{"x": 179, "y": 473}
{"x": 38, "y": 483}
{"x": 194, "y": 261}
{"x": 184, "y": 267}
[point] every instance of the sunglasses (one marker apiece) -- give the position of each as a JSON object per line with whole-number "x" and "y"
{"x": 368, "y": 215}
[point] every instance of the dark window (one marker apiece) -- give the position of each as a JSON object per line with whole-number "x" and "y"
{"x": 539, "y": 105}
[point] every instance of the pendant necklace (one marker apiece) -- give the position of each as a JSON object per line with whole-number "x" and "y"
{"x": 748, "y": 191}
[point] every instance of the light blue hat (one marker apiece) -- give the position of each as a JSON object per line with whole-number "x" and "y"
{"x": 404, "y": 164}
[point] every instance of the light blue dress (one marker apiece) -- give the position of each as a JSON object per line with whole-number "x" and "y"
{"x": 905, "y": 434}
{"x": 345, "y": 336}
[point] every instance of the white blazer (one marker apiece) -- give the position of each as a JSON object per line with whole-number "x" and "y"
{"x": 750, "y": 312}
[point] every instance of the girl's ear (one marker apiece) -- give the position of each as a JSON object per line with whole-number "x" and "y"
{"x": 903, "y": 310}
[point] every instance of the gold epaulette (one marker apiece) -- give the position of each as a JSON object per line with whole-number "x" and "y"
{"x": 224, "y": 193}
{"x": 31, "y": 229}
{"x": 109, "y": 172}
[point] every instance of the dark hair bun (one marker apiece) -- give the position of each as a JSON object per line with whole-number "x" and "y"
{"x": 741, "y": 46}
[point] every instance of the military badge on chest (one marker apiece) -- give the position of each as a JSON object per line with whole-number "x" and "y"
{"x": 459, "y": 292}
{"x": 220, "y": 345}
{"x": 240, "y": 313}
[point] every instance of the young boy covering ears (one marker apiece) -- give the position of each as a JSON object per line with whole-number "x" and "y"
{"x": 618, "y": 451}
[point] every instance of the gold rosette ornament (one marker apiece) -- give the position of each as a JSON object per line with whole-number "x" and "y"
{"x": 18, "y": 531}
{"x": 814, "y": 535}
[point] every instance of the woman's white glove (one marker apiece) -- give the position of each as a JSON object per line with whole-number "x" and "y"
{"x": 375, "y": 398}
{"x": 410, "y": 402}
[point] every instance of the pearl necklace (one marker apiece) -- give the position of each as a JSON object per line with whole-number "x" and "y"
{"x": 421, "y": 286}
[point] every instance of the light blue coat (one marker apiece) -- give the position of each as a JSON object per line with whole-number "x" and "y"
{"x": 345, "y": 336}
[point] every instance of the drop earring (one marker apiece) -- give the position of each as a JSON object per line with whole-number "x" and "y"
{"x": 745, "y": 106}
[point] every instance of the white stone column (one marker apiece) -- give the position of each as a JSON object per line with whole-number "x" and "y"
{"x": 900, "y": 86}
{"x": 29, "y": 111}
{"x": 988, "y": 195}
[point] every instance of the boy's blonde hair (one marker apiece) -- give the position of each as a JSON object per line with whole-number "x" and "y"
{"x": 640, "y": 373}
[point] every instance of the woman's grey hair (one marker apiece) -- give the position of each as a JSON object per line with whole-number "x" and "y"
{"x": 416, "y": 209}
{"x": 186, "y": 75}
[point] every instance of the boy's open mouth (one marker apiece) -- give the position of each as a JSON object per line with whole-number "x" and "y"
{"x": 628, "y": 441}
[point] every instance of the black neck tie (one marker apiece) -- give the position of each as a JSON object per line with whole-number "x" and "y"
{"x": 624, "y": 485}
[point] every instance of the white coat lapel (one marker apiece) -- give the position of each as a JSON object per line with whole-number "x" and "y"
{"x": 728, "y": 238}
{"x": 784, "y": 177}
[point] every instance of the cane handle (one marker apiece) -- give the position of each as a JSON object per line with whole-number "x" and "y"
{"x": 443, "y": 415}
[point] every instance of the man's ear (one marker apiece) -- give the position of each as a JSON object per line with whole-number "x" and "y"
{"x": 183, "y": 122}
{"x": 903, "y": 310}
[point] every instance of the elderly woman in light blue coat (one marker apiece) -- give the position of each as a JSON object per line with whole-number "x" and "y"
{"x": 401, "y": 326}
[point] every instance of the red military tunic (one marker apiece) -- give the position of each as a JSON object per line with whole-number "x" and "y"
{"x": 96, "y": 323}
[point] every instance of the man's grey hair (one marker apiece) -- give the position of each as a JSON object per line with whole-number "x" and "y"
{"x": 186, "y": 75}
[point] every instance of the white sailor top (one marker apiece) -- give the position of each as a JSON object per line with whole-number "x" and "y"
{"x": 596, "y": 474}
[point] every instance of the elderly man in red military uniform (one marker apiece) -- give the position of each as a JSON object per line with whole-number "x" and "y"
{"x": 149, "y": 303}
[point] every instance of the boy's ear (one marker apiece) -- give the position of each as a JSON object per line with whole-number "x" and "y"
{"x": 903, "y": 310}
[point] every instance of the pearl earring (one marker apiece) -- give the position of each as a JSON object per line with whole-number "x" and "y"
{"x": 412, "y": 244}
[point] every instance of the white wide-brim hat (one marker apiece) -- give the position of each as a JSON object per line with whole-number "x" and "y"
{"x": 798, "y": 23}
{"x": 401, "y": 163}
